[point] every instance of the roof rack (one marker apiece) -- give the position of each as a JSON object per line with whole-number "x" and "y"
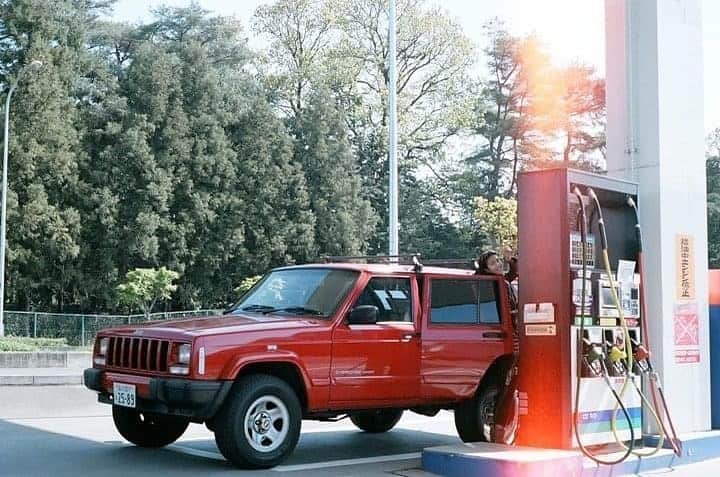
{"x": 368, "y": 258}
{"x": 407, "y": 259}
{"x": 469, "y": 264}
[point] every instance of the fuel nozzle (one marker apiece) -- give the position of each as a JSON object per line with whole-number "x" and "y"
{"x": 617, "y": 358}
{"x": 641, "y": 356}
{"x": 594, "y": 357}
{"x": 616, "y": 354}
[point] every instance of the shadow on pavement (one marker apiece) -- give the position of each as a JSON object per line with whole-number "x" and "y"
{"x": 340, "y": 445}
{"x": 26, "y": 451}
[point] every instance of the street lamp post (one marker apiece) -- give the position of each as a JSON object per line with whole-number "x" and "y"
{"x": 394, "y": 245}
{"x": 34, "y": 65}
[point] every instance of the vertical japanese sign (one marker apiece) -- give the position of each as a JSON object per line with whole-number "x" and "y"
{"x": 687, "y": 333}
{"x": 685, "y": 266}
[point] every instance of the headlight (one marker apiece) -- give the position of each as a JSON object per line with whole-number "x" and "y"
{"x": 102, "y": 349}
{"x": 180, "y": 362}
{"x": 184, "y": 354}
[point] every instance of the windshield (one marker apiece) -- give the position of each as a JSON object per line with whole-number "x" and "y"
{"x": 302, "y": 291}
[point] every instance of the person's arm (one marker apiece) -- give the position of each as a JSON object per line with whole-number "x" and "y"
{"x": 512, "y": 274}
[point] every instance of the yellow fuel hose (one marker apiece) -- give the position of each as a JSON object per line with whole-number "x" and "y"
{"x": 629, "y": 376}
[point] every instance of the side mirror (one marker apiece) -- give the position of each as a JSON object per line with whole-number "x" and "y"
{"x": 363, "y": 315}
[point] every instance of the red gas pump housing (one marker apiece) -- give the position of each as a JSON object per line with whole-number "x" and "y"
{"x": 547, "y": 215}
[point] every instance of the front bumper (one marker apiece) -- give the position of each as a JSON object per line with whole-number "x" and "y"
{"x": 192, "y": 399}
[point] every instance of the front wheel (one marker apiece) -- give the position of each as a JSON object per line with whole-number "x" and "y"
{"x": 475, "y": 418}
{"x": 259, "y": 426}
{"x": 148, "y": 430}
{"x": 381, "y": 420}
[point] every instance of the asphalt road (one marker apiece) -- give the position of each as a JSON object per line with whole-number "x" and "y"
{"x": 63, "y": 431}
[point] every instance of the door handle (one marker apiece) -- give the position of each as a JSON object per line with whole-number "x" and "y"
{"x": 494, "y": 334}
{"x": 407, "y": 337}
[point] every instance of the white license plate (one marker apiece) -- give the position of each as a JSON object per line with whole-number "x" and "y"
{"x": 124, "y": 395}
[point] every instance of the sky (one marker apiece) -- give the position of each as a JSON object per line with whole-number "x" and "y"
{"x": 572, "y": 30}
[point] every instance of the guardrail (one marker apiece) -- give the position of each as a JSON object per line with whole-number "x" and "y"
{"x": 77, "y": 329}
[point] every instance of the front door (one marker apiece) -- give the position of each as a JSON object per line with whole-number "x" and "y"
{"x": 379, "y": 363}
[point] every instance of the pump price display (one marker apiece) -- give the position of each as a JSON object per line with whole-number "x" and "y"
{"x": 124, "y": 395}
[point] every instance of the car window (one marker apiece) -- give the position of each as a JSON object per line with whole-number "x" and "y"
{"x": 456, "y": 301}
{"x": 488, "y": 301}
{"x": 391, "y": 296}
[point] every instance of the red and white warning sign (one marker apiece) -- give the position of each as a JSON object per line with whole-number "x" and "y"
{"x": 687, "y": 333}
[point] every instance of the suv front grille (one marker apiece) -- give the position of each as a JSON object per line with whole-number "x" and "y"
{"x": 143, "y": 354}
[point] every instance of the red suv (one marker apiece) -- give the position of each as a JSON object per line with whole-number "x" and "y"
{"x": 364, "y": 341}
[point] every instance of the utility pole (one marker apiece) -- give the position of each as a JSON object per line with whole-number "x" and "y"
{"x": 392, "y": 114}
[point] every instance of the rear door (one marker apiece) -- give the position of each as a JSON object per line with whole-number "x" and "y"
{"x": 379, "y": 363}
{"x": 463, "y": 332}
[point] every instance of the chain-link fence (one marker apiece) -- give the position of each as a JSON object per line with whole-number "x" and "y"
{"x": 79, "y": 330}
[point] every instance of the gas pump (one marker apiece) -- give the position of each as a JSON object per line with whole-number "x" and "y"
{"x": 576, "y": 358}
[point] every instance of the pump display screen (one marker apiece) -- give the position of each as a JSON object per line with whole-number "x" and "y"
{"x": 607, "y": 297}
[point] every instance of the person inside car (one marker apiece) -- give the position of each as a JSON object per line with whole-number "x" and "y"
{"x": 490, "y": 263}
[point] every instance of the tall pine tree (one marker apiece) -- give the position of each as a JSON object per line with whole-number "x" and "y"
{"x": 345, "y": 220}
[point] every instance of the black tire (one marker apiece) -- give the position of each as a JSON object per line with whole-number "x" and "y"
{"x": 148, "y": 430}
{"x": 475, "y": 418}
{"x": 259, "y": 424}
{"x": 381, "y": 420}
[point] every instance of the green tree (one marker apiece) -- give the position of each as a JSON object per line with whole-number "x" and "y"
{"x": 143, "y": 287}
{"x": 246, "y": 284}
{"x": 224, "y": 195}
{"x": 502, "y": 117}
{"x": 497, "y": 221}
{"x": 583, "y": 118}
{"x": 278, "y": 225}
{"x": 44, "y": 199}
{"x": 425, "y": 226}
{"x": 301, "y": 36}
{"x": 434, "y": 58}
{"x": 345, "y": 220}
{"x": 530, "y": 114}
{"x": 342, "y": 45}
{"x": 712, "y": 167}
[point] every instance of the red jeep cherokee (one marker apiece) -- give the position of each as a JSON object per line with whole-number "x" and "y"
{"x": 366, "y": 341}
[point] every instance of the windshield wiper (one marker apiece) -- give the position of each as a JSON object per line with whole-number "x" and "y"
{"x": 265, "y": 309}
{"x": 258, "y": 308}
{"x": 299, "y": 310}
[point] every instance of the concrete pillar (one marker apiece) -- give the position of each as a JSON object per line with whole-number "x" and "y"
{"x": 656, "y": 137}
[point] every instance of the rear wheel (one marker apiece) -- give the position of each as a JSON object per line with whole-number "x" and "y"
{"x": 148, "y": 430}
{"x": 259, "y": 426}
{"x": 381, "y": 420}
{"x": 475, "y": 418}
